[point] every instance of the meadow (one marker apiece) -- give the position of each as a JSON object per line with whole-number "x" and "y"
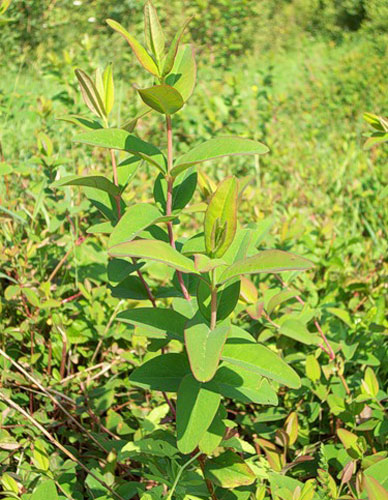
{"x": 76, "y": 421}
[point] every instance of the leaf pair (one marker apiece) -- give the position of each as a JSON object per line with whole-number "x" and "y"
{"x": 99, "y": 95}
{"x": 158, "y": 63}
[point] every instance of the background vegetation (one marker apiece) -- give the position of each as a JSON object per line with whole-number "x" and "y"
{"x": 297, "y": 75}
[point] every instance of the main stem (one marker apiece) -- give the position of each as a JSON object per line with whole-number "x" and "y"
{"x": 170, "y": 186}
{"x": 213, "y": 304}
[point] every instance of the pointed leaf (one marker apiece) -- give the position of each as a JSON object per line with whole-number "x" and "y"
{"x": 204, "y": 348}
{"x": 261, "y": 360}
{"x": 242, "y": 385}
{"x": 162, "y": 98}
{"x": 184, "y": 73}
{"x": 267, "y": 261}
{"x": 95, "y": 181}
{"x": 217, "y": 148}
{"x": 221, "y": 218}
{"x": 90, "y": 94}
{"x": 172, "y": 51}
{"x": 115, "y": 138}
{"x": 296, "y": 330}
{"x": 109, "y": 91}
{"x": 214, "y": 435}
{"x": 158, "y": 251}
{"x": 81, "y": 121}
{"x": 162, "y": 373}
{"x": 140, "y": 52}
{"x": 153, "y": 31}
{"x": 133, "y": 222}
{"x": 161, "y": 322}
{"x": 196, "y": 408}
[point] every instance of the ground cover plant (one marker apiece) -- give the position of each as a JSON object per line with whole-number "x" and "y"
{"x": 186, "y": 314}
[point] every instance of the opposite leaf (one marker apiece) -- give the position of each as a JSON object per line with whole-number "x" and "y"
{"x": 156, "y": 250}
{"x": 267, "y": 261}
{"x": 221, "y": 218}
{"x": 140, "y": 52}
{"x": 196, "y": 408}
{"x": 216, "y": 148}
{"x": 204, "y": 348}
{"x": 261, "y": 360}
{"x": 153, "y": 31}
{"x": 95, "y": 181}
{"x": 90, "y": 94}
{"x": 184, "y": 73}
{"x": 115, "y": 138}
{"x": 172, "y": 51}
{"x": 162, "y": 98}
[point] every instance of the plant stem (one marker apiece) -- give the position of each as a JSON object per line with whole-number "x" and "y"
{"x": 180, "y": 472}
{"x": 213, "y": 304}
{"x": 170, "y": 185}
{"x": 207, "y": 481}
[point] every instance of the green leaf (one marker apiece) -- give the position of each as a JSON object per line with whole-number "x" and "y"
{"x": 184, "y": 73}
{"x": 158, "y": 251}
{"x": 313, "y": 369}
{"x": 214, "y": 435}
{"x": 370, "y": 382}
{"x": 379, "y": 471}
{"x": 217, "y": 148}
{"x": 172, "y": 51}
{"x": 46, "y": 490}
{"x": 134, "y": 221}
{"x": 40, "y": 456}
{"x": 221, "y": 218}
{"x": 9, "y": 484}
{"x": 279, "y": 298}
{"x": 153, "y": 31}
{"x": 261, "y": 360}
{"x": 81, "y": 121}
{"x": 109, "y": 90}
{"x": 160, "y": 322}
{"x": 90, "y": 94}
{"x": 227, "y": 298}
{"x": 204, "y": 348}
{"x": 115, "y": 138}
{"x": 140, "y": 52}
{"x": 242, "y": 385}
{"x": 162, "y": 98}
{"x": 162, "y": 373}
{"x": 95, "y": 181}
{"x": 374, "y": 489}
{"x": 196, "y": 408}
{"x": 296, "y": 330}
{"x": 229, "y": 470}
{"x": 267, "y": 261}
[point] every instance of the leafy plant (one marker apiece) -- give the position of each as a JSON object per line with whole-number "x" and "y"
{"x": 217, "y": 359}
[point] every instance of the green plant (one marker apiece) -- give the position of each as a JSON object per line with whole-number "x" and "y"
{"x": 217, "y": 359}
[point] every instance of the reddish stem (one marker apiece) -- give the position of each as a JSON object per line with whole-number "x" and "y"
{"x": 170, "y": 185}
